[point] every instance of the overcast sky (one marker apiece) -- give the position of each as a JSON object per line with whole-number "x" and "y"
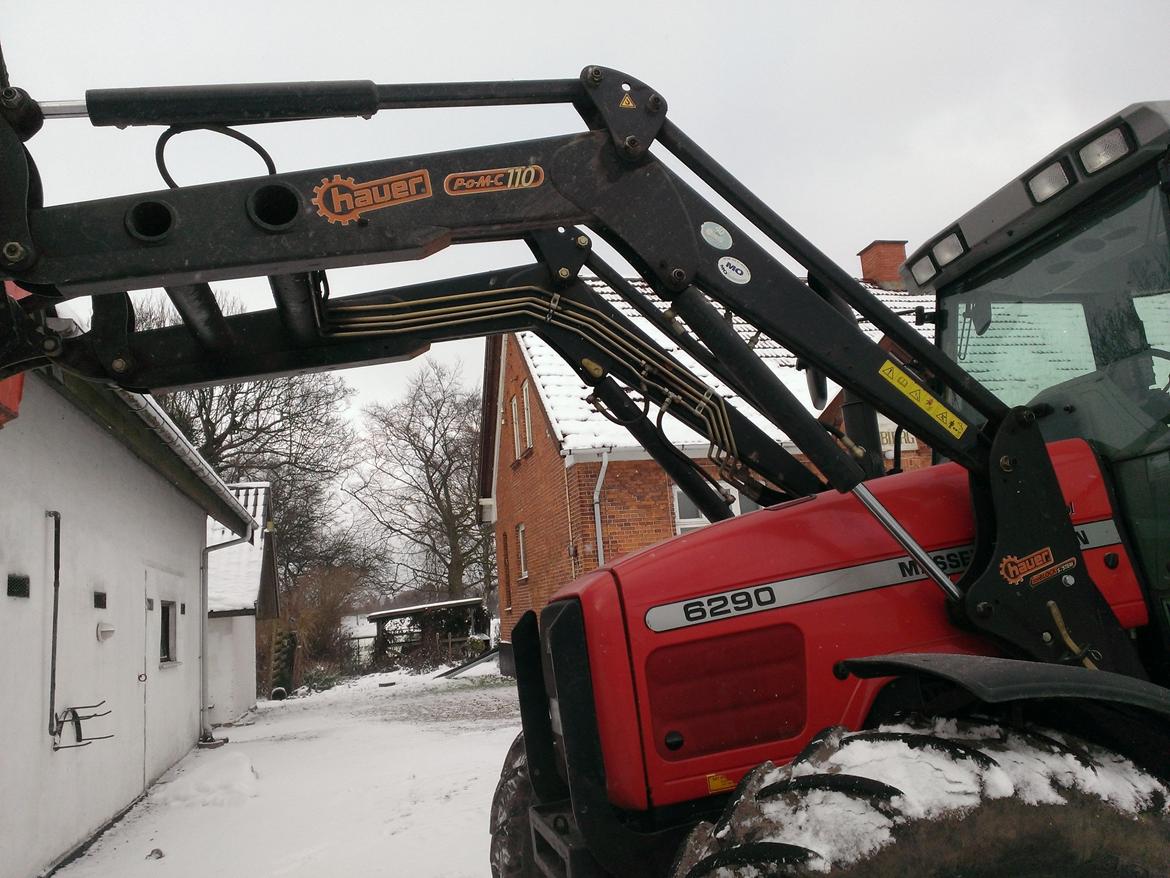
{"x": 854, "y": 120}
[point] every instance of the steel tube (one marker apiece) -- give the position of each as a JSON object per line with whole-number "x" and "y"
{"x": 201, "y": 315}
{"x": 907, "y": 542}
{"x": 293, "y": 294}
{"x": 64, "y": 109}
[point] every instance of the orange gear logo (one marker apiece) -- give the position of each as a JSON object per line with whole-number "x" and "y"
{"x": 341, "y": 200}
{"x": 1014, "y": 569}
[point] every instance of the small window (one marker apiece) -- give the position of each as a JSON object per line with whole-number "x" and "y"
{"x": 687, "y": 516}
{"x": 515, "y": 429}
{"x": 506, "y": 574}
{"x": 527, "y": 416}
{"x": 167, "y": 624}
{"x": 99, "y": 600}
{"x": 522, "y": 551}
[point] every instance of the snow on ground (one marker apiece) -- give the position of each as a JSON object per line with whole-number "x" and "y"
{"x": 363, "y": 779}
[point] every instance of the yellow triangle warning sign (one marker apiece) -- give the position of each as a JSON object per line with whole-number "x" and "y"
{"x": 627, "y": 103}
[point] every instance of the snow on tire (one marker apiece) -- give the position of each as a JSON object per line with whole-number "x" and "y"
{"x": 511, "y": 846}
{"x": 939, "y": 798}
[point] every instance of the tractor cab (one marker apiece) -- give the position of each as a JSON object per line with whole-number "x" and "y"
{"x": 1073, "y": 320}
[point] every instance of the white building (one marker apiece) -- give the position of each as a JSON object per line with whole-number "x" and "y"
{"x": 103, "y": 510}
{"x": 241, "y": 587}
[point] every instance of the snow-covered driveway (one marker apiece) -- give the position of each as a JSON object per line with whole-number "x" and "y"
{"x": 359, "y": 780}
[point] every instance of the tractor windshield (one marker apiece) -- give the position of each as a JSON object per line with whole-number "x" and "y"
{"x": 1078, "y": 326}
{"x": 1081, "y": 321}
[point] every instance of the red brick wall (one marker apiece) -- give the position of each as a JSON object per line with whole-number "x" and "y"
{"x": 636, "y": 509}
{"x": 529, "y": 491}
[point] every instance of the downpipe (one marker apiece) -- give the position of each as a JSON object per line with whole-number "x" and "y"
{"x": 597, "y": 507}
{"x": 56, "y": 516}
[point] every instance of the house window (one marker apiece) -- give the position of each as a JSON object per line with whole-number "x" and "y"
{"x": 515, "y": 429}
{"x": 506, "y": 575}
{"x": 687, "y": 516}
{"x": 527, "y": 416}
{"x": 166, "y": 648}
{"x": 521, "y": 551}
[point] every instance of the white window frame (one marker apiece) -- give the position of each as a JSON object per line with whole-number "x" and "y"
{"x": 527, "y": 416}
{"x": 515, "y": 429}
{"x": 686, "y": 525}
{"x": 521, "y": 551}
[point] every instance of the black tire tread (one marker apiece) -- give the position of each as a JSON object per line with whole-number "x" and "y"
{"x": 1084, "y": 837}
{"x": 511, "y": 835}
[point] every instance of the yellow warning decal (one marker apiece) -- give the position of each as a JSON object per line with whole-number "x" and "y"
{"x": 719, "y": 783}
{"x": 919, "y": 395}
{"x": 627, "y": 103}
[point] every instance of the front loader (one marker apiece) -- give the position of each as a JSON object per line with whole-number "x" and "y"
{"x": 1001, "y": 618}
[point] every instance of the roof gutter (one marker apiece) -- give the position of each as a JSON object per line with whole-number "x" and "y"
{"x": 152, "y": 414}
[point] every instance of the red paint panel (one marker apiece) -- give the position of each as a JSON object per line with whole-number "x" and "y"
{"x": 11, "y": 391}
{"x": 829, "y": 533}
{"x": 725, "y": 692}
{"x": 613, "y": 687}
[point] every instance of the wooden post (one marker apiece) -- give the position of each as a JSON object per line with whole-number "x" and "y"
{"x": 380, "y": 639}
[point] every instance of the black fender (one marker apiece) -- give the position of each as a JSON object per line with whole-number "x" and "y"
{"x": 1124, "y": 713}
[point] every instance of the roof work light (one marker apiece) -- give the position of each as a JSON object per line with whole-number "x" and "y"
{"x": 1104, "y": 150}
{"x": 1049, "y": 182}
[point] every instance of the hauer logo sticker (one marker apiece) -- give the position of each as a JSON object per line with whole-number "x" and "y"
{"x": 1014, "y": 569}
{"x": 494, "y": 180}
{"x": 341, "y": 200}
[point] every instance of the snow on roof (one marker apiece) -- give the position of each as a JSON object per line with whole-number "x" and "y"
{"x": 398, "y": 612}
{"x": 579, "y": 427}
{"x": 234, "y": 573}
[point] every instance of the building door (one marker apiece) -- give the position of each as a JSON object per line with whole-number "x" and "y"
{"x": 171, "y": 667}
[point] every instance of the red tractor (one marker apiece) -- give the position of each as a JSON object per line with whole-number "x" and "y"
{"x": 956, "y": 671}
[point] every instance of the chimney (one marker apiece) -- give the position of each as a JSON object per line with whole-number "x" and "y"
{"x": 879, "y": 264}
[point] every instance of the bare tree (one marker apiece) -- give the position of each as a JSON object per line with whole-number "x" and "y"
{"x": 418, "y": 482}
{"x": 290, "y": 431}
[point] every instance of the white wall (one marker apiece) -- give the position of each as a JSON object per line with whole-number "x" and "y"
{"x": 231, "y": 667}
{"x": 127, "y": 532}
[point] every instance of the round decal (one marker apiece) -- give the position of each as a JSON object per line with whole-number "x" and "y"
{"x": 715, "y": 235}
{"x": 734, "y": 270}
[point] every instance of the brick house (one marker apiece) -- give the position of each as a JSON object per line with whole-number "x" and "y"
{"x": 569, "y": 490}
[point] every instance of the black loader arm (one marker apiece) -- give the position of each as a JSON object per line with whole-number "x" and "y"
{"x": 701, "y": 267}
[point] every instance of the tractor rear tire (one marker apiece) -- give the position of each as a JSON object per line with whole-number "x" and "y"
{"x": 511, "y": 847}
{"x": 939, "y": 799}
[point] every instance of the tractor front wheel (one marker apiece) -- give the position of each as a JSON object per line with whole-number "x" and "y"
{"x": 939, "y": 799}
{"x": 511, "y": 847}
